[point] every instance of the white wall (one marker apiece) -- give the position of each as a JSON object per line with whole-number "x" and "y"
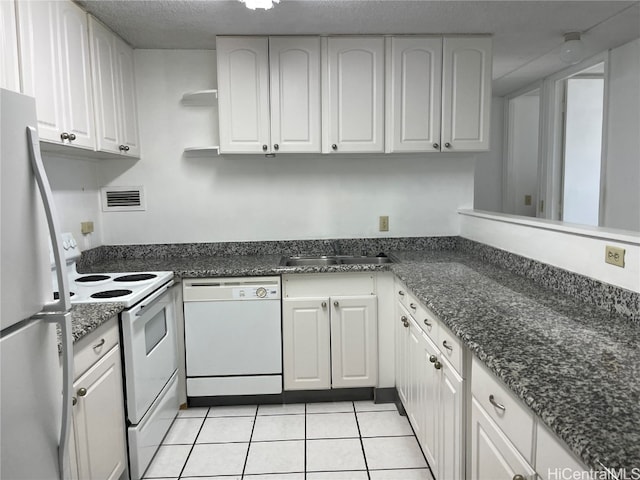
{"x": 236, "y": 198}
{"x": 622, "y": 159}
{"x": 571, "y": 247}
{"x": 76, "y": 194}
{"x": 487, "y": 192}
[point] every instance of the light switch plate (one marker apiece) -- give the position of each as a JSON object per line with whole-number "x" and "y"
{"x": 86, "y": 228}
{"x": 614, "y": 256}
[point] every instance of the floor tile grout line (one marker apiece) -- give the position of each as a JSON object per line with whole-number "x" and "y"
{"x": 253, "y": 427}
{"x": 364, "y": 455}
{"x": 193, "y": 445}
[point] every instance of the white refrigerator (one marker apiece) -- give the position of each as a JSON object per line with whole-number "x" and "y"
{"x": 35, "y": 380}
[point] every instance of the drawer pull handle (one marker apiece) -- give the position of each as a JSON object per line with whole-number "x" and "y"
{"x": 518, "y": 477}
{"x": 437, "y": 365}
{"x": 426, "y": 322}
{"x": 413, "y": 306}
{"x": 493, "y": 402}
{"x": 447, "y": 346}
{"x": 74, "y": 401}
{"x": 432, "y": 358}
{"x": 401, "y": 293}
{"x": 99, "y": 344}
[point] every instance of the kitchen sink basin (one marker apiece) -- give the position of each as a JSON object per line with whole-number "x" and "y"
{"x": 321, "y": 260}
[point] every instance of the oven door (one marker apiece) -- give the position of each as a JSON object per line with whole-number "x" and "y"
{"x": 150, "y": 351}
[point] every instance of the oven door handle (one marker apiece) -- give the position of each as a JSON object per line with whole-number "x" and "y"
{"x": 153, "y": 298}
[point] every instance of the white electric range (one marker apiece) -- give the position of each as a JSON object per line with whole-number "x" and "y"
{"x": 149, "y": 349}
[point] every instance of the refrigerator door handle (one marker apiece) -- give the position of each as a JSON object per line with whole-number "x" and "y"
{"x": 58, "y": 311}
{"x": 63, "y": 304}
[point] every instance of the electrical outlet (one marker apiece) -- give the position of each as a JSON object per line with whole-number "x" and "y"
{"x": 384, "y": 223}
{"x": 614, "y": 256}
{"x": 527, "y": 200}
{"x": 86, "y": 228}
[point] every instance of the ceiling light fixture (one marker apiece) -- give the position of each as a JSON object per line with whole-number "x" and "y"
{"x": 264, "y": 4}
{"x": 572, "y": 50}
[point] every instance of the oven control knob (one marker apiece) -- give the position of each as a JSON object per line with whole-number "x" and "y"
{"x": 261, "y": 292}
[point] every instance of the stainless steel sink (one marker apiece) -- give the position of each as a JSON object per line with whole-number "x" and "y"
{"x": 322, "y": 260}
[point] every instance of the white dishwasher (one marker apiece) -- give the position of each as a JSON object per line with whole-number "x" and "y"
{"x": 233, "y": 336}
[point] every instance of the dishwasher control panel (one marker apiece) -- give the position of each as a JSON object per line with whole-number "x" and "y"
{"x": 234, "y": 289}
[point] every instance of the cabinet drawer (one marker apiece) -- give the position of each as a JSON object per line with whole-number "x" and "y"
{"x": 429, "y": 324}
{"x": 402, "y": 294}
{"x": 450, "y": 346}
{"x": 514, "y": 419}
{"x": 94, "y": 346}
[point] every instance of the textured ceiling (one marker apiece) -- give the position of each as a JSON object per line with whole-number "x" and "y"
{"x": 527, "y": 34}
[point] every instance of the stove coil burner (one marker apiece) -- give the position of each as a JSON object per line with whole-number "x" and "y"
{"x": 111, "y": 293}
{"x": 92, "y": 278}
{"x": 136, "y": 277}
{"x": 56, "y": 295}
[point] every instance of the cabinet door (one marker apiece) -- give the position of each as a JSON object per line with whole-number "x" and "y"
{"x": 98, "y": 420}
{"x": 39, "y": 60}
{"x": 104, "y": 86}
{"x": 355, "y": 94}
{"x": 77, "y": 96}
{"x": 294, "y": 64}
{"x": 126, "y": 94}
{"x": 243, "y": 94}
{"x": 402, "y": 347}
{"x": 429, "y": 404}
{"x": 306, "y": 344}
{"x": 450, "y": 443}
{"x": 466, "y": 93}
{"x": 414, "y": 94}
{"x": 9, "y": 66}
{"x": 493, "y": 457}
{"x": 354, "y": 341}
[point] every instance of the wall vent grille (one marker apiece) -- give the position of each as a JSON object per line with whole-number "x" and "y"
{"x": 122, "y": 199}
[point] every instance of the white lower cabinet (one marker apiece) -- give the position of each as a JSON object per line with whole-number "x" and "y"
{"x": 431, "y": 390}
{"x": 329, "y": 340}
{"x": 98, "y": 449}
{"x": 493, "y": 456}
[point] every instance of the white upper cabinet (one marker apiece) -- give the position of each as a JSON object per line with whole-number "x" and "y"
{"x": 466, "y": 93}
{"x": 9, "y": 65}
{"x": 243, "y": 94}
{"x": 294, "y": 65}
{"x": 54, "y": 56}
{"x": 414, "y": 78}
{"x": 353, "y": 93}
{"x": 114, "y": 85}
{"x": 269, "y": 94}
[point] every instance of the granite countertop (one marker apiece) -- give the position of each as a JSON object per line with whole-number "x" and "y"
{"x": 575, "y": 365}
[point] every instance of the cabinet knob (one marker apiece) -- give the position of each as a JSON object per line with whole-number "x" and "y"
{"x": 82, "y": 392}
{"x": 447, "y": 145}
{"x": 276, "y": 146}
{"x": 447, "y": 346}
{"x": 426, "y": 322}
{"x": 72, "y": 136}
{"x": 126, "y": 148}
{"x": 405, "y": 322}
{"x": 436, "y": 146}
{"x": 64, "y": 136}
{"x": 437, "y": 365}
{"x": 336, "y": 304}
{"x": 264, "y": 148}
{"x": 433, "y": 358}
{"x": 334, "y": 147}
{"x": 121, "y": 148}
{"x": 74, "y": 401}
{"x": 518, "y": 477}
{"x": 324, "y": 304}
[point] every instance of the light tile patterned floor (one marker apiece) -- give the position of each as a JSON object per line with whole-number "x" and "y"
{"x": 313, "y": 441}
